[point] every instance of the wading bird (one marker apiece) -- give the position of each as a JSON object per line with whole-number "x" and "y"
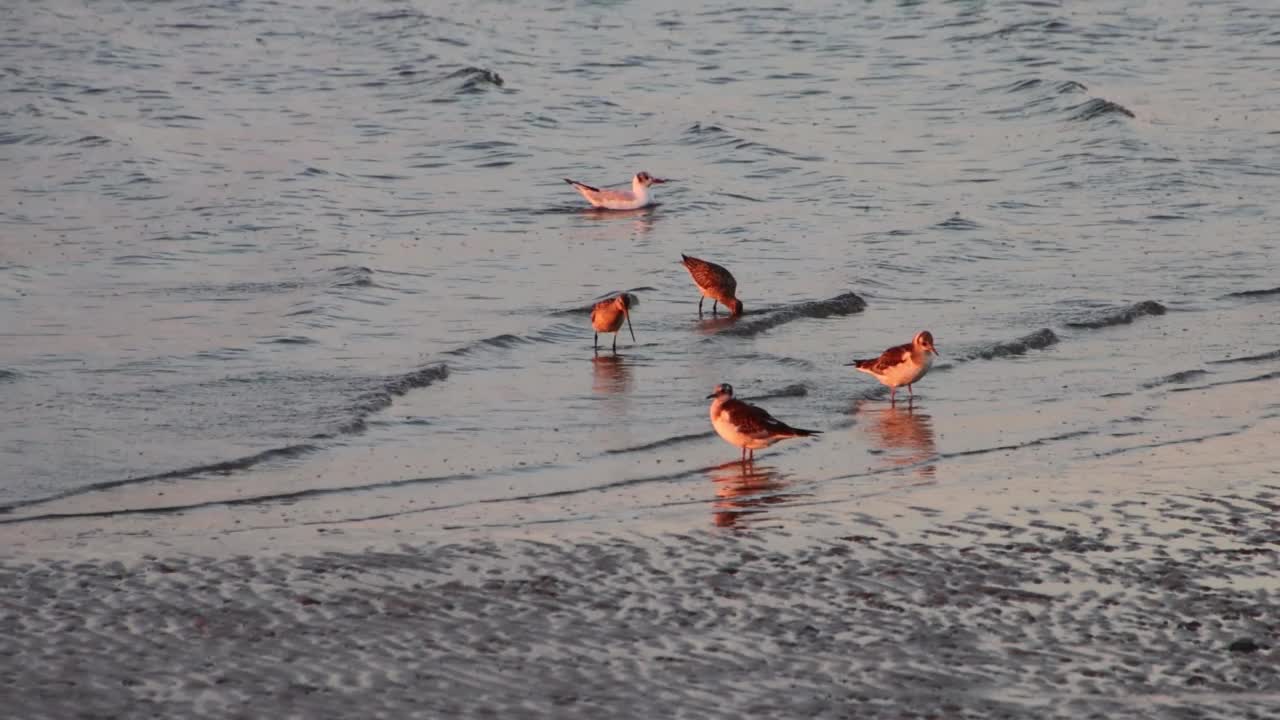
{"x": 748, "y": 426}
{"x": 714, "y": 282}
{"x": 608, "y": 314}
{"x": 902, "y": 364}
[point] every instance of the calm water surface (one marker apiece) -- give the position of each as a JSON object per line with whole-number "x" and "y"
{"x": 317, "y": 261}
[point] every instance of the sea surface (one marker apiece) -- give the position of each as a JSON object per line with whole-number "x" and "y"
{"x": 317, "y": 263}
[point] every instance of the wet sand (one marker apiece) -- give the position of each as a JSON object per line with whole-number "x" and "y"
{"x": 1155, "y": 601}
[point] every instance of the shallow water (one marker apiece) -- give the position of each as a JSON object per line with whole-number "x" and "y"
{"x": 318, "y": 264}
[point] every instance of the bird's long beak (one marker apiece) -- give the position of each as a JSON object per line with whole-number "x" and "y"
{"x": 935, "y": 351}
{"x": 711, "y": 396}
{"x": 659, "y": 181}
{"x": 852, "y": 364}
{"x": 633, "y": 332}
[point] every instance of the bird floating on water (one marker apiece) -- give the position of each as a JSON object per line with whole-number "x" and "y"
{"x": 902, "y": 364}
{"x": 637, "y": 197}
{"x": 748, "y": 426}
{"x": 715, "y": 282}
{"x": 608, "y": 314}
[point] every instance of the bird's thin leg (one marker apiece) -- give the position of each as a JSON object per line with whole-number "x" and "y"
{"x": 595, "y": 341}
{"x": 704, "y": 297}
{"x": 714, "y": 305}
{"x": 892, "y": 400}
{"x": 752, "y": 456}
{"x": 744, "y": 456}
{"x": 615, "y": 343}
{"x": 909, "y": 392}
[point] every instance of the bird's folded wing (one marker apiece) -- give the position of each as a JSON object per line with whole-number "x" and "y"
{"x": 754, "y": 421}
{"x": 892, "y": 357}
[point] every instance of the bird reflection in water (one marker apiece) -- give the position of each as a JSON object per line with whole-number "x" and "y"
{"x": 712, "y": 324}
{"x": 611, "y": 374}
{"x": 642, "y": 217}
{"x": 905, "y": 435}
{"x": 744, "y": 492}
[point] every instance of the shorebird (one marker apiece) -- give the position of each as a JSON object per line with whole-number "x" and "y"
{"x": 748, "y": 426}
{"x": 902, "y": 364}
{"x": 608, "y": 314}
{"x": 715, "y": 282}
{"x": 637, "y": 197}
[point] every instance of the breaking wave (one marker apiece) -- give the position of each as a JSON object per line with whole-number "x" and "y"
{"x": 1254, "y": 293}
{"x": 1119, "y": 316}
{"x": 1037, "y": 340}
{"x": 844, "y": 304}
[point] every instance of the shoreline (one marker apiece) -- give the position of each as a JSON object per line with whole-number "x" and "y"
{"x": 1152, "y": 604}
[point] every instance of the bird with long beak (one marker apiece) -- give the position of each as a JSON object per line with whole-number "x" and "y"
{"x": 902, "y": 364}
{"x": 713, "y": 282}
{"x": 608, "y": 314}
{"x": 633, "y": 199}
{"x": 748, "y": 426}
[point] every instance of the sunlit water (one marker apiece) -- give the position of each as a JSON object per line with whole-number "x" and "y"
{"x": 255, "y": 252}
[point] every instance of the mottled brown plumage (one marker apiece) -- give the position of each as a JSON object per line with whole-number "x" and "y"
{"x": 892, "y": 357}
{"x": 715, "y": 282}
{"x": 901, "y": 364}
{"x": 755, "y": 420}
{"x": 748, "y": 426}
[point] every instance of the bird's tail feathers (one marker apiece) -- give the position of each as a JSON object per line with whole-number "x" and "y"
{"x": 584, "y": 186}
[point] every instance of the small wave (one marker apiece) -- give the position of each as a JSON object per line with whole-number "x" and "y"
{"x": 1175, "y": 378}
{"x": 341, "y": 277}
{"x": 1045, "y": 26}
{"x": 843, "y": 304}
{"x": 664, "y": 442}
{"x": 790, "y": 391}
{"x": 715, "y": 136}
{"x": 1273, "y": 355}
{"x": 352, "y": 276}
{"x": 1096, "y": 108}
{"x": 1022, "y": 85}
{"x": 1037, "y": 340}
{"x": 236, "y": 501}
{"x": 381, "y": 398}
{"x": 502, "y": 342}
{"x": 505, "y": 341}
{"x": 90, "y": 141}
{"x": 1254, "y": 293}
{"x": 13, "y": 138}
{"x": 417, "y": 379}
{"x": 474, "y": 79}
{"x": 956, "y": 222}
{"x": 1122, "y": 316}
{"x": 1256, "y": 378}
{"x": 225, "y": 466}
{"x": 398, "y": 15}
{"x": 9, "y": 375}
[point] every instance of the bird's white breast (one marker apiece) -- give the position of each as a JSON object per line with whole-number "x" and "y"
{"x": 725, "y": 428}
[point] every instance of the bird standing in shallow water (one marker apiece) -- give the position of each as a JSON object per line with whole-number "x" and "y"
{"x": 608, "y": 314}
{"x": 902, "y": 364}
{"x": 748, "y": 426}
{"x": 633, "y": 199}
{"x": 715, "y": 282}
